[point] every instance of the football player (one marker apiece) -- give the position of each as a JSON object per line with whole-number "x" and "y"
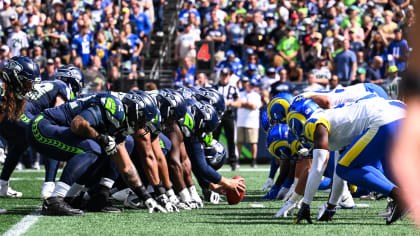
{"x": 18, "y": 76}
{"x": 83, "y": 130}
{"x": 69, "y": 82}
{"x": 365, "y": 126}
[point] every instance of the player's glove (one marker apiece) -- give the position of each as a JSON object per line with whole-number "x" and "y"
{"x": 163, "y": 200}
{"x": 267, "y": 185}
{"x": 153, "y": 206}
{"x": 286, "y": 209}
{"x": 282, "y": 193}
{"x": 195, "y": 197}
{"x": 272, "y": 194}
{"x": 289, "y": 193}
{"x": 107, "y": 143}
{"x": 303, "y": 214}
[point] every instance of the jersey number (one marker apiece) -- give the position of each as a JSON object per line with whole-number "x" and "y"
{"x": 39, "y": 90}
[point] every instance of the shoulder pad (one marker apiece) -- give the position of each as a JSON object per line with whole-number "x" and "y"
{"x": 312, "y": 123}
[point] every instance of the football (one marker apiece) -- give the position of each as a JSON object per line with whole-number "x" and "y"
{"x": 232, "y": 197}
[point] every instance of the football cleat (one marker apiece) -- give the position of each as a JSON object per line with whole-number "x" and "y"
{"x": 56, "y": 206}
{"x": 370, "y": 197}
{"x": 47, "y": 189}
{"x": 303, "y": 214}
{"x": 388, "y": 209}
{"x": 122, "y": 194}
{"x": 99, "y": 202}
{"x": 346, "y": 201}
{"x": 133, "y": 202}
{"x": 286, "y": 209}
{"x": 397, "y": 211}
{"x": 7, "y": 191}
{"x": 211, "y": 196}
{"x": 325, "y": 214}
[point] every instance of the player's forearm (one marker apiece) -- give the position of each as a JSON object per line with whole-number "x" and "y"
{"x": 162, "y": 164}
{"x": 126, "y": 167}
{"x": 82, "y": 128}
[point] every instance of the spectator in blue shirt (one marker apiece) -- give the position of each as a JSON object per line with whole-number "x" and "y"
{"x": 373, "y": 73}
{"x": 346, "y": 64}
{"x": 398, "y": 48}
{"x": 141, "y": 22}
{"x": 189, "y": 8}
{"x": 81, "y": 45}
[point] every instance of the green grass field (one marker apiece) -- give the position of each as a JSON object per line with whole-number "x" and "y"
{"x": 222, "y": 219}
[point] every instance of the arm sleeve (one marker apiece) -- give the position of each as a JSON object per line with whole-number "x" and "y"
{"x": 273, "y": 168}
{"x": 147, "y": 25}
{"x": 92, "y": 115}
{"x": 199, "y": 164}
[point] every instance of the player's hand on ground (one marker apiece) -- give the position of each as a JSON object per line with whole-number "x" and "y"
{"x": 267, "y": 185}
{"x": 272, "y": 194}
{"x": 282, "y": 193}
{"x": 303, "y": 214}
{"x": 163, "y": 200}
{"x": 153, "y": 206}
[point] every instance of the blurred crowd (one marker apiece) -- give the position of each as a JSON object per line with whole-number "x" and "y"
{"x": 108, "y": 39}
{"x": 271, "y": 46}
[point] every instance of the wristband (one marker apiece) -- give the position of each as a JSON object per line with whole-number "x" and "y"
{"x": 142, "y": 193}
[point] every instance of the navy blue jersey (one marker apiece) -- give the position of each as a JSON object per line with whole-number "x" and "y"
{"x": 44, "y": 96}
{"x": 104, "y": 112}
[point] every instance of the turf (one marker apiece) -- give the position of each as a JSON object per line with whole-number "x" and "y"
{"x": 222, "y": 219}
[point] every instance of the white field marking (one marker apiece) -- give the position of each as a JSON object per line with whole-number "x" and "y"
{"x": 246, "y": 170}
{"x": 24, "y": 224}
{"x": 28, "y": 178}
{"x": 35, "y": 171}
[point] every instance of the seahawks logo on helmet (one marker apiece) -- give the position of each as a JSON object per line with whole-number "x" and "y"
{"x": 13, "y": 65}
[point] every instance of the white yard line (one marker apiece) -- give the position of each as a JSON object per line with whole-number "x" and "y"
{"x": 24, "y": 224}
{"x": 26, "y": 178}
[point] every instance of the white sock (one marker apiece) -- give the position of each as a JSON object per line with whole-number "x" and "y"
{"x": 170, "y": 193}
{"x": 107, "y": 182}
{"x": 4, "y": 182}
{"x": 315, "y": 174}
{"x": 60, "y": 189}
{"x": 338, "y": 185}
{"x": 75, "y": 190}
{"x": 185, "y": 195}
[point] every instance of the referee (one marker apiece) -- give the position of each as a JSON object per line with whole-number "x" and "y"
{"x": 231, "y": 95}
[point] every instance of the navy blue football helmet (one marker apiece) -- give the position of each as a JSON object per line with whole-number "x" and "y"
{"x": 72, "y": 76}
{"x": 141, "y": 110}
{"x": 187, "y": 92}
{"x": 213, "y": 97}
{"x": 205, "y": 117}
{"x": 171, "y": 104}
{"x": 215, "y": 154}
{"x": 20, "y": 73}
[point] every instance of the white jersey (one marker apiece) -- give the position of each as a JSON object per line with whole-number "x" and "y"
{"x": 346, "y": 122}
{"x": 342, "y": 95}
